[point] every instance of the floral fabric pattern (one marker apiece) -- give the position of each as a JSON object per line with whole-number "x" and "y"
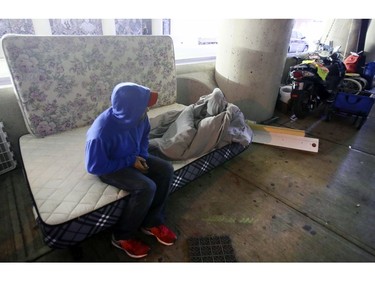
{"x": 76, "y": 26}
{"x": 19, "y": 26}
{"x": 65, "y": 82}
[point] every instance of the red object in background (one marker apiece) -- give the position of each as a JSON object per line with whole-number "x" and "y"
{"x": 351, "y": 63}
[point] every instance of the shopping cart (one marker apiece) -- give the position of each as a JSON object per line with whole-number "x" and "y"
{"x": 357, "y": 106}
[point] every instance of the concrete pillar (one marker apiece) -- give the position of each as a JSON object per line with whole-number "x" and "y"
{"x": 250, "y": 60}
{"x": 370, "y": 42}
{"x": 342, "y": 32}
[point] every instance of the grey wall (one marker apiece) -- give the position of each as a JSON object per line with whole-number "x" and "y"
{"x": 194, "y": 81}
{"x": 342, "y": 32}
{"x": 370, "y": 42}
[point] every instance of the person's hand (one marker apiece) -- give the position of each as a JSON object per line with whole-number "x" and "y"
{"x": 140, "y": 164}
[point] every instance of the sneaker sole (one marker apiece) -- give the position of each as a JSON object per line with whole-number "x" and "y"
{"x": 129, "y": 254}
{"x": 145, "y": 231}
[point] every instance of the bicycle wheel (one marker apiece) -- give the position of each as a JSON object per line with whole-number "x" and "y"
{"x": 361, "y": 80}
{"x": 351, "y": 86}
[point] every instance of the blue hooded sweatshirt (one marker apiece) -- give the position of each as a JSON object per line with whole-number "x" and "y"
{"x": 120, "y": 133}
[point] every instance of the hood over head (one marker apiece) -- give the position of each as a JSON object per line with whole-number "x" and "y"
{"x": 130, "y": 100}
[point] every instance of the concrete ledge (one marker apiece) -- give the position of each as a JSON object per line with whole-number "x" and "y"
{"x": 195, "y": 80}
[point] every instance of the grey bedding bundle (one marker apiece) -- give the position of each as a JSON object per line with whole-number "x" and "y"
{"x": 208, "y": 124}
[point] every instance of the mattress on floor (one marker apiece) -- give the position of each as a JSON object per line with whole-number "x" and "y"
{"x": 61, "y": 187}
{"x": 70, "y": 204}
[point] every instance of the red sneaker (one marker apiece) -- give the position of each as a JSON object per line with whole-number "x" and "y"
{"x": 134, "y": 248}
{"x": 164, "y": 235}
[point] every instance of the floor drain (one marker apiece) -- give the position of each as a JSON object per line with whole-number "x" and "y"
{"x": 211, "y": 249}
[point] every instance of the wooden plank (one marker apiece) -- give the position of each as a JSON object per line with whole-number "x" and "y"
{"x": 283, "y": 137}
{"x": 274, "y": 129}
{"x": 286, "y": 141}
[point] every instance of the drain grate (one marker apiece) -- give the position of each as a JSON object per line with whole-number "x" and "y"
{"x": 211, "y": 249}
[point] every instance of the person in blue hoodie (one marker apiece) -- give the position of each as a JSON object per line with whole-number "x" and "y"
{"x": 117, "y": 152}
